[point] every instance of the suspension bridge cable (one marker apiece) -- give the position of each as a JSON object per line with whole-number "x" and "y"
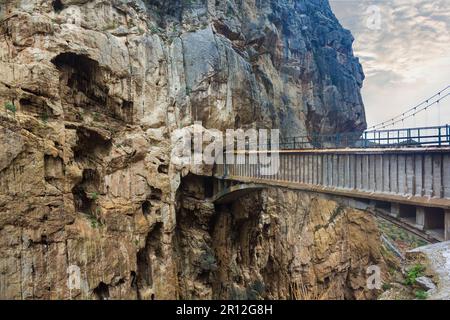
{"x": 414, "y": 109}
{"x": 393, "y": 122}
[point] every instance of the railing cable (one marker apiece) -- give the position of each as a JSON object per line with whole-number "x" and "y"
{"x": 414, "y": 110}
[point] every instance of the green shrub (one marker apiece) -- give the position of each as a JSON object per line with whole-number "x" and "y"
{"x": 421, "y": 294}
{"x": 414, "y": 273}
{"x": 386, "y": 286}
{"x": 93, "y": 196}
{"x": 155, "y": 30}
{"x": 94, "y": 223}
{"x": 9, "y": 106}
{"x": 44, "y": 117}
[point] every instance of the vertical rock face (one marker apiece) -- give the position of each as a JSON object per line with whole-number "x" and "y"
{"x": 282, "y": 64}
{"x": 90, "y": 92}
{"x": 278, "y": 244}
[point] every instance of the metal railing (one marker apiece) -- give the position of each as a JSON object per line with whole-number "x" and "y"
{"x": 437, "y": 136}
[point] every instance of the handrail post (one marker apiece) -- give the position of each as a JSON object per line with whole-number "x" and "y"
{"x": 365, "y": 139}
{"x": 439, "y": 137}
{"x": 447, "y": 132}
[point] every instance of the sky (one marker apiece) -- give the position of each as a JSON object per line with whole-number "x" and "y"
{"x": 404, "y": 47}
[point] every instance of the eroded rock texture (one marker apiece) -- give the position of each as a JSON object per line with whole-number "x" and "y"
{"x": 92, "y": 91}
{"x": 276, "y": 244}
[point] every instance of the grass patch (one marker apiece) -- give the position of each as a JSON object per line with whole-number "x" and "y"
{"x": 155, "y": 30}
{"x": 386, "y": 286}
{"x": 413, "y": 273}
{"x": 44, "y": 117}
{"x": 92, "y": 217}
{"x": 93, "y": 196}
{"x": 421, "y": 294}
{"x": 9, "y": 106}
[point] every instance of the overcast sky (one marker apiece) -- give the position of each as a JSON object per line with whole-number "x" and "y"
{"x": 404, "y": 47}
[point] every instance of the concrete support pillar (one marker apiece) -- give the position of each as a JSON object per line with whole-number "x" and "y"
{"x": 395, "y": 210}
{"x": 447, "y": 225}
{"x": 216, "y": 186}
{"x": 420, "y": 218}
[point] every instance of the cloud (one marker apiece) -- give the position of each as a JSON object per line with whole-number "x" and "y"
{"x": 407, "y": 55}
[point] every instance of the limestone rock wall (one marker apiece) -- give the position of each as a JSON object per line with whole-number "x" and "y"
{"x": 90, "y": 92}
{"x": 275, "y": 244}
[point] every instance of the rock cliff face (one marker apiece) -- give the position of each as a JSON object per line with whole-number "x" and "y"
{"x": 276, "y": 244}
{"x": 90, "y": 203}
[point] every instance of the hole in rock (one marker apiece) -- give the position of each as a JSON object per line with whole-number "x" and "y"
{"x": 91, "y": 178}
{"x": 144, "y": 268}
{"x": 44, "y": 239}
{"x": 156, "y": 194}
{"x": 90, "y": 143}
{"x": 133, "y": 279}
{"x": 57, "y": 5}
{"x": 86, "y": 192}
{"x": 102, "y": 291}
{"x": 82, "y": 74}
{"x": 163, "y": 168}
{"x": 24, "y": 102}
{"x": 81, "y": 200}
{"x": 144, "y": 256}
{"x": 84, "y": 84}
{"x": 146, "y": 206}
{"x": 35, "y": 105}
